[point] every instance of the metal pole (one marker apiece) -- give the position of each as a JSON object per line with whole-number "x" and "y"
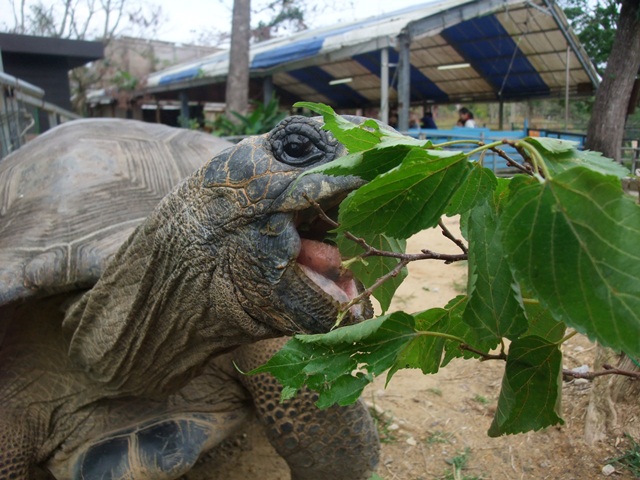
{"x": 384, "y": 85}
{"x": 267, "y": 89}
{"x": 501, "y": 114}
{"x": 404, "y": 83}
{"x": 184, "y": 108}
{"x": 566, "y": 91}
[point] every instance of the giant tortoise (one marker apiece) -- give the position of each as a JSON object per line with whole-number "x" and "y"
{"x": 129, "y": 285}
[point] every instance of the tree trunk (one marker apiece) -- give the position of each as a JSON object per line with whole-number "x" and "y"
{"x": 606, "y": 127}
{"x": 604, "y": 134}
{"x": 237, "y": 93}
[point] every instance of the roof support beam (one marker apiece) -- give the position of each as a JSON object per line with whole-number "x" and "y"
{"x": 184, "y": 107}
{"x": 384, "y": 85}
{"x": 573, "y": 42}
{"x": 267, "y": 89}
{"x": 404, "y": 82}
{"x": 566, "y": 91}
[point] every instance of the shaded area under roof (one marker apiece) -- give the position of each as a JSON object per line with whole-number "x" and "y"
{"x": 515, "y": 49}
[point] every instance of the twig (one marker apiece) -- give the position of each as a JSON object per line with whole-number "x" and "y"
{"x": 370, "y": 251}
{"x": 484, "y": 356}
{"x": 403, "y": 258}
{"x": 450, "y": 236}
{"x": 608, "y": 370}
{"x": 510, "y": 161}
{"x": 369, "y": 291}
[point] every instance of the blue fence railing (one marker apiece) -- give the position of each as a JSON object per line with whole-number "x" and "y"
{"x": 473, "y": 135}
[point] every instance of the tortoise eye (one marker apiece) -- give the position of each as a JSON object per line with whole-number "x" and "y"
{"x": 299, "y": 149}
{"x": 299, "y": 141}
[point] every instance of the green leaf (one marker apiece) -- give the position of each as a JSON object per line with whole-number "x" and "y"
{"x": 573, "y": 241}
{"x": 376, "y": 266}
{"x": 561, "y": 155}
{"x": 494, "y": 309}
{"x": 531, "y": 388}
{"x": 476, "y": 188}
{"x": 354, "y": 137}
{"x": 552, "y": 145}
{"x": 426, "y": 351}
{"x": 388, "y": 154}
{"x": 458, "y": 328}
{"x": 541, "y": 322}
{"x": 339, "y": 364}
{"x": 407, "y": 199}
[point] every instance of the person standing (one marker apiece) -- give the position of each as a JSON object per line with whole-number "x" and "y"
{"x": 466, "y": 118}
{"x": 428, "y": 121}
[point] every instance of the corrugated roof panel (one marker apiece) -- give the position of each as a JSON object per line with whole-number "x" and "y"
{"x": 293, "y": 85}
{"x": 342, "y": 94}
{"x": 346, "y": 68}
{"x": 531, "y": 43}
{"x": 287, "y": 53}
{"x": 422, "y": 88}
{"x": 485, "y": 44}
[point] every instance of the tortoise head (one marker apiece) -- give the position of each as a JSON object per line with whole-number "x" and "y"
{"x": 280, "y": 267}
{"x": 234, "y": 254}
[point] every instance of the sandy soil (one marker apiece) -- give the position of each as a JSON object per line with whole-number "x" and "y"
{"x": 426, "y": 421}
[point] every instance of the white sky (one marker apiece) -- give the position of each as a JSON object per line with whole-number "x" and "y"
{"x": 185, "y": 20}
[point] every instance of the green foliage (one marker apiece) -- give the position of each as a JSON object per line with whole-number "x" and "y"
{"x": 630, "y": 458}
{"x": 261, "y": 120}
{"x": 595, "y": 24}
{"x": 125, "y": 80}
{"x": 556, "y": 248}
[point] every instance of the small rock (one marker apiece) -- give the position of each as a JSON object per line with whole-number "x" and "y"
{"x": 608, "y": 469}
{"x": 377, "y": 408}
{"x": 580, "y": 381}
{"x": 393, "y": 426}
{"x": 412, "y": 441}
{"x": 581, "y": 369}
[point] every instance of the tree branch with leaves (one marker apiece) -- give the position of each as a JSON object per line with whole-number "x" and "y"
{"x": 552, "y": 247}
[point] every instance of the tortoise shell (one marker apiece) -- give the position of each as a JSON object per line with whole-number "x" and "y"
{"x": 70, "y": 197}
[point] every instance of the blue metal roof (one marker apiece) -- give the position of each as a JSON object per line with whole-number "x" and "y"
{"x": 490, "y": 50}
{"x": 514, "y": 48}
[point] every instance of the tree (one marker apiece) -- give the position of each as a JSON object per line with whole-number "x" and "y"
{"x": 606, "y": 127}
{"x": 237, "y": 91}
{"x": 287, "y": 14}
{"x": 595, "y": 24}
{"x": 83, "y": 19}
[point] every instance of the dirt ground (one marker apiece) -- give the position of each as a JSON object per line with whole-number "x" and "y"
{"x": 427, "y": 421}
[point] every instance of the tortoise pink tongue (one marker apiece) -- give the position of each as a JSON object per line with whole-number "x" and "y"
{"x": 321, "y": 263}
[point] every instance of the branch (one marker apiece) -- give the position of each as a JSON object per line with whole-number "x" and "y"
{"x": 483, "y": 355}
{"x": 370, "y": 251}
{"x": 449, "y": 235}
{"x": 510, "y": 161}
{"x": 608, "y": 370}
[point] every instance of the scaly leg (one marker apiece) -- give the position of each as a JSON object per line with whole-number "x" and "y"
{"x": 336, "y": 443}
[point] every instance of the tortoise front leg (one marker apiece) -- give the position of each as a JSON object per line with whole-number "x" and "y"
{"x": 336, "y": 443}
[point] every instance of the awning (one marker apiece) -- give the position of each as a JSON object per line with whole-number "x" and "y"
{"x": 490, "y": 50}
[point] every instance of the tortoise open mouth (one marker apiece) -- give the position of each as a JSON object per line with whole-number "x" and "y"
{"x": 321, "y": 261}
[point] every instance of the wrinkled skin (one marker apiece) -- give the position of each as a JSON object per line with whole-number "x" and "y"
{"x": 143, "y": 359}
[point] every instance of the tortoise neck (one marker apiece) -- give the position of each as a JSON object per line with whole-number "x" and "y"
{"x": 161, "y": 309}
